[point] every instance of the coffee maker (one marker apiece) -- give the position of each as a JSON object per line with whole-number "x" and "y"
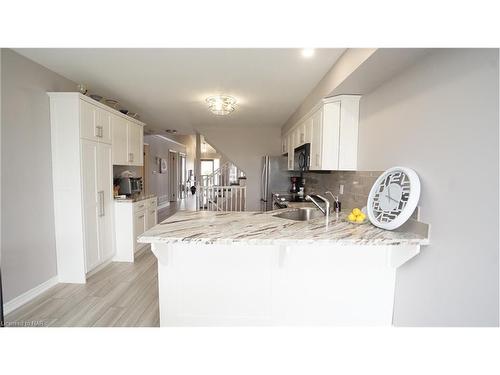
{"x": 297, "y": 187}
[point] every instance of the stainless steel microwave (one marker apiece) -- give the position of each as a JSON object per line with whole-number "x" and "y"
{"x": 130, "y": 185}
{"x": 302, "y": 157}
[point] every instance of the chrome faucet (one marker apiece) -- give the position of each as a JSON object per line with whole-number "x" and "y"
{"x": 335, "y": 199}
{"x": 325, "y": 210}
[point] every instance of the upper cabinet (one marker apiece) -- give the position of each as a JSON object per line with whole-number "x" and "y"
{"x": 127, "y": 142}
{"x": 331, "y": 128}
{"x": 135, "y": 143}
{"x": 95, "y": 123}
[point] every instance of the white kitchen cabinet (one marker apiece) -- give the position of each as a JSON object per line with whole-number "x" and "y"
{"x": 106, "y": 223}
{"x": 135, "y": 143}
{"x": 103, "y": 124}
{"x": 316, "y": 139}
{"x": 95, "y": 123}
{"x": 284, "y": 145}
{"x": 91, "y": 202}
{"x": 152, "y": 215}
{"x": 308, "y": 130}
{"x": 132, "y": 220}
{"x": 82, "y": 185}
{"x": 140, "y": 223}
{"x": 97, "y": 203}
{"x": 120, "y": 140}
{"x": 331, "y": 128}
{"x": 128, "y": 142}
{"x": 290, "y": 143}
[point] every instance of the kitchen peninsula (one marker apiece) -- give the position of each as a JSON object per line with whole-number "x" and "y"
{"x": 253, "y": 268}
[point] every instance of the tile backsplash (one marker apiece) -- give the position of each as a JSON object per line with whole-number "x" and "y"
{"x": 357, "y": 185}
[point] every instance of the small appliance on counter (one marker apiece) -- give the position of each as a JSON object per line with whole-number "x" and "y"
{"x": 130, "y": 185}
{"x": 127, "y": 184}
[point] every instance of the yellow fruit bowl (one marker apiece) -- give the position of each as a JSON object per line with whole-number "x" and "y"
{"x": 357, "y": 222}
{"x": 357, "y": 216}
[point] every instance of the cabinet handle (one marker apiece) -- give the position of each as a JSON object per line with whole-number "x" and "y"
{"x": 101, "y": 203}
{"x": 98, "y": 132}
{"x": 131, "y": 157}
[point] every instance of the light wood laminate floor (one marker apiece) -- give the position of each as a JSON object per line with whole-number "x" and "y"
{"x": 119, "y": 295}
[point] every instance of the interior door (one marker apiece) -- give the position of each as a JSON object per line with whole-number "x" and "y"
{"x": 89, "y": 155}
{"x": 105, "y": 201}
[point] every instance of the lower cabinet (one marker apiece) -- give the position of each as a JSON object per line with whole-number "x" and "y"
{"x": 249, "y": 285}
{"x": 132, "y": 220}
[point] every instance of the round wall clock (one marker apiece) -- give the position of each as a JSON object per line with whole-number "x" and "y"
{"x": 393, "y": 197}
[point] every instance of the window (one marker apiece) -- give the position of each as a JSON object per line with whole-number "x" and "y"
{"x": 207, "y": 167}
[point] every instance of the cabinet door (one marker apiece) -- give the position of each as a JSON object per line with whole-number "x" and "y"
{"x": 140, "y": 224}
{"x": 135, "y": 144}
{"x": 308, "y": 129}
{"x": 105, "y": 201}
{"x": 290, "y": 151}
{"x": 317, "y": 127}
{"x": 330, "y": 136}
{"x": 88, "y": 129}
{"x": 103, "y": 125}
{"x": 119, "y": 135}
{"x": 301, "y": 135}
{"x": 89, "y": 162}
{"x": 152, "y": 217}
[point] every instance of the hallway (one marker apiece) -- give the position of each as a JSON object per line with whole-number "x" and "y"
{"x": 185, "y": 204}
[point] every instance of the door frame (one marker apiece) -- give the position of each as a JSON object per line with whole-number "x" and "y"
{"x": 173, "y": 176}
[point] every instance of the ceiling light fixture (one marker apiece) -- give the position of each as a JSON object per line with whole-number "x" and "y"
{"x": 308, "y": 52}
{"x": 221, "y": 105}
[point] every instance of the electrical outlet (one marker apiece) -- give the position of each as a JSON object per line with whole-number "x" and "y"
{"x": 341, "y": 189}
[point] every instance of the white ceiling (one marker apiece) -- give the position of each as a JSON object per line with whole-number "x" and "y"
{"x": 168, "y": 87}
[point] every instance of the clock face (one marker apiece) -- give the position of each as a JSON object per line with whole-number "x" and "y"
{"x": 393, "y": 197}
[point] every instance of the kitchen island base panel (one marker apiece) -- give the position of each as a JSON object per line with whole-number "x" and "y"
{"x": 262, "y": 285}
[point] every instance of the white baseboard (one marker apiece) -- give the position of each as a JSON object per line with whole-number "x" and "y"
{"x": 17, "y": 302}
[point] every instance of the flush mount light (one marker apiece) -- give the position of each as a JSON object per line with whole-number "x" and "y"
{"x": 171, "y": 131}
{"x": 221, "y": 105}
{"x": 308, "y": 52}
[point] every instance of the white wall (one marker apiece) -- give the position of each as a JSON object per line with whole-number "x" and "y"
{"x": 27, "y": 218}
{"x": 159, "y": 182}
{"x": 245, "y": 148}
{"x": 440, "y": 117}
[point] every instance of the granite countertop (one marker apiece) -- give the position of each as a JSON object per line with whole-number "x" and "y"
{"x": 262, "y": 228}
{"x": 135, "y": 199}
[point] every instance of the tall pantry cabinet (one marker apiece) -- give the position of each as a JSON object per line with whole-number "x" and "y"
{"x": 81, "y": 137}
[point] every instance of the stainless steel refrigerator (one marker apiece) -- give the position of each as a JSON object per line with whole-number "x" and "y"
{"x": 275, "y": 178}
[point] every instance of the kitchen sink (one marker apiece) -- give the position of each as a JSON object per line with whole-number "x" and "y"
{"x": 301, "y": 214}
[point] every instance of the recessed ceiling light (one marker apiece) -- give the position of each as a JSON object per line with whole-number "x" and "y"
{"x": 308, "y": 52}
{"x": 221, "y": 105}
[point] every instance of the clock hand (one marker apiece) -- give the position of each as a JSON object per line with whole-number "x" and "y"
{"x": 392, "y": 199}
